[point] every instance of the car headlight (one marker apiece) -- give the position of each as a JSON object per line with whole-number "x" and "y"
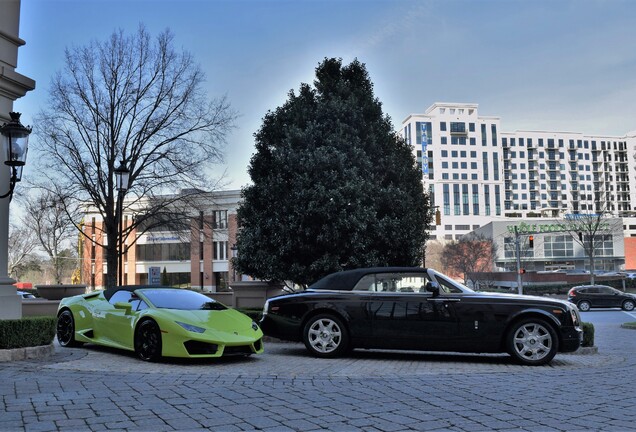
{"x": 190, "y": 327}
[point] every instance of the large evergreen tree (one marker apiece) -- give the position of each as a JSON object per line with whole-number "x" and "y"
{"x": 334, "y": 187}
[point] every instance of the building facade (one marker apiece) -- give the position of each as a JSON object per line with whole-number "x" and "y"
{"x": 198, "y": 258}
{"x": 545, "y": 245}
{"x": 13, "y": 85}
{"x": 477, "y": 173}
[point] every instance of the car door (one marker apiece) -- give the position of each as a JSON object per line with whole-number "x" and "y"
{"x": 610, "y": 297}
{"x": 115, "y": 326}
{"x": 405, "y": 315}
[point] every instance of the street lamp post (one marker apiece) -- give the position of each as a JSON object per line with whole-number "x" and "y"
{"x": 234, "y": 249}
{"x": 122, "y": 175}
{"x": 14, "y": 138}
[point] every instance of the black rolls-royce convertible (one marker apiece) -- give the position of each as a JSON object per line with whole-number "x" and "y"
{"x": 420, "y": 309}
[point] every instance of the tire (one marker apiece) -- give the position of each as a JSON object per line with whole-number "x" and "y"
{"x": 532, "y": 342}
{"x": 65, "y": 330}
{"x": 628, "y": 305}
{"x": 584, "y": 305}
{"x": 325, "y": 336}
{"x": 148, "y": 341}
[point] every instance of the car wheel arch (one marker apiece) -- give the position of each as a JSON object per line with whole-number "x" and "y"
{"x": 533, "y": 313}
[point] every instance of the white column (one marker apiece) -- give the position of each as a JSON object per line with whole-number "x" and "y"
{"x": 10, "y": 303}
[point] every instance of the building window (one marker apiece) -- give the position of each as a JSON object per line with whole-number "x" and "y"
{"x": 493, "y": 129}
{"x": 560, "y": 246}
{"x": 487, "y": 199}
{"x": 163, "y": 252}
{"x": 475, "y": 199}
{"x": 219, "y": 250}
{"x": 219, "y": 219}
{"x": 446, "y": 193}
{"x": 456, "y": 200}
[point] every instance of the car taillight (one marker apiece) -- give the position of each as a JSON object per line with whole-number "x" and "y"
{"x": 572, "y": 293}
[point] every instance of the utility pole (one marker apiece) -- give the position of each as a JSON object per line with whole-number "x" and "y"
{"x": 518, "y": 254}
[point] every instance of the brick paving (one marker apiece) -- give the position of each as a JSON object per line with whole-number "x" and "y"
{"x": 98, "y": 389}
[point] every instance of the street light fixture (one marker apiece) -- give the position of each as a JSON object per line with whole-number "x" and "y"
{"x": 15, "y": 142}
{"x": 122, "y": 176}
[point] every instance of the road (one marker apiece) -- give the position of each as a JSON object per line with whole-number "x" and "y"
{"x": 94, "y": 389}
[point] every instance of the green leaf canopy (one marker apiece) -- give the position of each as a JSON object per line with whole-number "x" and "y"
{"x": 334, "y": 187}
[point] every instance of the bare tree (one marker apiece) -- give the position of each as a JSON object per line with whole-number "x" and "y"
{"x": 22, "y": 244}
{"x": 136, "y": 101}
{"x": 47, "y": 218}
{"x": 591, "y": 231}
{"x": 469, "y": 256}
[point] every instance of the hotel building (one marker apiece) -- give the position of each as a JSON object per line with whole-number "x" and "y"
{"x": 477, "y": 173}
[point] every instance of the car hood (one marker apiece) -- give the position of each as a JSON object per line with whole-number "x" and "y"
{"x": 218, "y": 321}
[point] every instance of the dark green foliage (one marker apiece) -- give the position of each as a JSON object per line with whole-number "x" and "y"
{"x": 255, "y": 314}
{"x": 588, "y": 334}
{"x": 27, "y": 332}
{"x": 165, "y": 280}
{"x": 334, "y": 187}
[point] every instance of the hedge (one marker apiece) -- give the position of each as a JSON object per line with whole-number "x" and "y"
{"x": 588, "y": 334}
{"x": 27, "y": 332}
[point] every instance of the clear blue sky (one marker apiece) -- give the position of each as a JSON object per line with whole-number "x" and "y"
{"x": 561, "y": 65}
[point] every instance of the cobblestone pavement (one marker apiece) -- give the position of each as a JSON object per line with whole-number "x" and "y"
{"x": 94, "y": 389}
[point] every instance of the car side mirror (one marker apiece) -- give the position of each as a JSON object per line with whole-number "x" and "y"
{"x": 432, "y": 287}
{"x": 124, "y": 306}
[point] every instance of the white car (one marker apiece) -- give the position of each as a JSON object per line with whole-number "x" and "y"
{"x": 26, "y": 295}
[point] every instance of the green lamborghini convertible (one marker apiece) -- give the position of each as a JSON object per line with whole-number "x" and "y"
{"x": 156, "y": 322}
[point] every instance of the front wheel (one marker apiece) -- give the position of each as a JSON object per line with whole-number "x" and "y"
{"x": 66, "y": 330}
{"x": 325, "y": 336}
{"x": 628, "y": 305}
{"x": 584, "y": 306}
{"x": 148, "y": 341}
{"x": 532, "y": 342}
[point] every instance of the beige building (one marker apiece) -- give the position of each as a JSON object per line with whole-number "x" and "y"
{"x": 12, "y": 86}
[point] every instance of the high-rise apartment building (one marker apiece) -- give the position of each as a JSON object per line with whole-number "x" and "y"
{"x": 476, "y": 173}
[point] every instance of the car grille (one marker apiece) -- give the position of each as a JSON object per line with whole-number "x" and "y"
{"x": 237, "y": 350}
{"x": 200, "y": 348}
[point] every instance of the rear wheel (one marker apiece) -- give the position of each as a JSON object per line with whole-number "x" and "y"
{"x": 628, "y": 305}
{"x": 532, "y": 342}
{"x": 66, "y": 330}
{"x": 148, "y": 341}
{"x": 584, "y": 305}
{"x": 325, "y": 336}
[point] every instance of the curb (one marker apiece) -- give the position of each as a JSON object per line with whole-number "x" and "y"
{"x": 585, "y": 351}
{"x": 37, "y": 352}
{"x": 631, "y": 326}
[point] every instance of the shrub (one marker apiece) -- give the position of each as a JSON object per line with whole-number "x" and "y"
{"x": 588, "y": 334}
{"x": 27, "y": 332}
{"x": 255, "y": 314}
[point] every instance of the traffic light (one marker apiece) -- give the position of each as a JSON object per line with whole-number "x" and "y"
{"x": 581, "y": 237}
{"x": 522, "y": 271}
{"x": 531, "y": 242}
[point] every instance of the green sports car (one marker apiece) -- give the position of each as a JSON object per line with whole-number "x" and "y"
{"x": 157, "y": 321}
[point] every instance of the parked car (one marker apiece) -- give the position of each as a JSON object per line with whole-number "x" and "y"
{"x": 156, "y": 322}
{"x": 600, "y": 296}
{"x": 420, "y": 309}
{"x": 25, "y": 295}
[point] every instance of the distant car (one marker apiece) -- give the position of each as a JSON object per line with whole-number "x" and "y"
{"x": 629, "y": 275}
{"x": 600, "y": 296}
{"x": 155, "y": 322}
{"x": 420, "y": 309}
{"x": 26, "y": 295}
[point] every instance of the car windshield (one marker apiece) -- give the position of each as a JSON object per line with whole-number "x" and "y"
{"x": 180, "y": 299}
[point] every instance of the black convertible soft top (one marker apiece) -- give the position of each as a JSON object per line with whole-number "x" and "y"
{"x": 347, "y": 279}
{"x": 110, "y": 291}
